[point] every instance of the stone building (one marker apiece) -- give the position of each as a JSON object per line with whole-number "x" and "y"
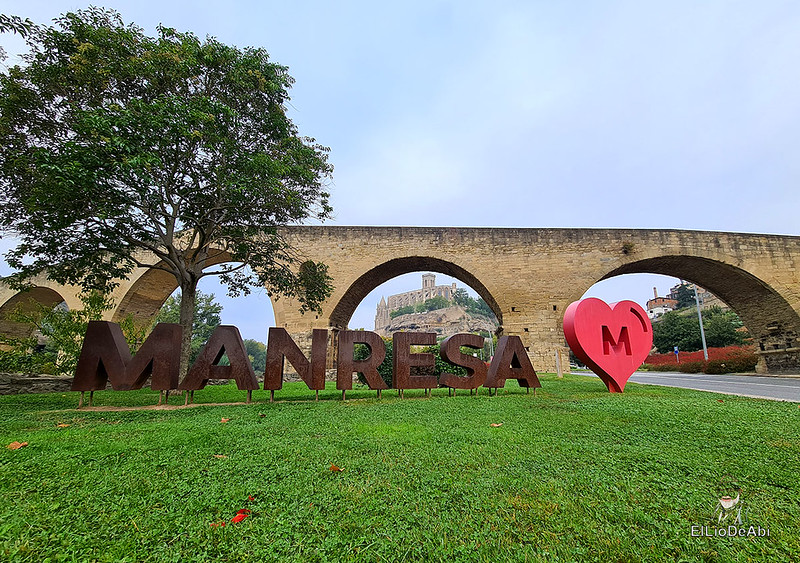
{"x": 394, "y": 302}
{"x": 707, "y": 299}
{"x": 657, "y": 306}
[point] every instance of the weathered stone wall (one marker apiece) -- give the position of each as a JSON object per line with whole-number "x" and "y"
{"x": 529, "y": 276}
{"x": 16, "y": 384}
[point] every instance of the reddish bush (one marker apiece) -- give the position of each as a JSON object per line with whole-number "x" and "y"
{"x": 732, "y": 359}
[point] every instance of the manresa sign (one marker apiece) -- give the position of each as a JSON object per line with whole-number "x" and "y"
{"x": 613, "y": 340}
{"x": 105, "y": 358}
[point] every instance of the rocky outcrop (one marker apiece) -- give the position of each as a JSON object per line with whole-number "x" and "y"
{"x": 444, "y": 322}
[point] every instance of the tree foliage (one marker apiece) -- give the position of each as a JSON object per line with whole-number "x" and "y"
{"x": 461, "y": 297}
{"x": 722, "y": 328}
{"x": 362, "y": 352}
{"x": 432, "y": 304}
{"x": 471, "y": 305}
{"x": 684, "y": 295}
{"x": 15, "y": 24}
{"x": 206, "y": 318}
{"x": 404, "y": 310}
{"x": 119, "y": 150}
{"x": 257, "y": 353}
{"x": 683, "y": 331}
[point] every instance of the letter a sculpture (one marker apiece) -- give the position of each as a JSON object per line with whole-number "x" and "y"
{"x": 612, "y": 340}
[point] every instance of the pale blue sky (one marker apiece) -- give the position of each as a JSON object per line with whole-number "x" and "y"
{"x": 528, "y": 114}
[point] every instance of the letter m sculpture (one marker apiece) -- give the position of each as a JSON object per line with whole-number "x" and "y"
{"x": 105, "y": 357}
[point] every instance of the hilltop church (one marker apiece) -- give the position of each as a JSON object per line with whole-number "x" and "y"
{"x": 429, "y": 290}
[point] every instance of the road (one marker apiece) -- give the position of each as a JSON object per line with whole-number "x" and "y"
{"x": 758, "y": 386}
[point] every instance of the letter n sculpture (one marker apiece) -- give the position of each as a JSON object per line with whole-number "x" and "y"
{"x": 612, "y": 340}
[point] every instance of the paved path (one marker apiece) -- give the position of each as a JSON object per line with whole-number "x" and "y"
{"x": 759, "y": 386}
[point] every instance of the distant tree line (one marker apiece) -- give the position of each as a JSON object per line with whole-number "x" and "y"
{"x": 473, "y": 306}
{"x": 678, "y": 329}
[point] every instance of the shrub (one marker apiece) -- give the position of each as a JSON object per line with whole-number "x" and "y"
{"x": 659, "y": 367}
{"x": 690, "y": 367}
{"x": 733, "y": 365}
{"x": 731, "y": 359}
{"x": 361, "y": 352}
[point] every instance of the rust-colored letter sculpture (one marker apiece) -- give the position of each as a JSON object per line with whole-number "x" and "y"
{"x": 225, "y": 340}
{"x": 451, "y": 352}
{"x": 511, "y": 362}
{"x": 105, "y": 357}
{"x": 346, "y": 365}
{"x": 280, "y": 345}
{"x": 612, "y": 340}
{"x": 403, "y": 359}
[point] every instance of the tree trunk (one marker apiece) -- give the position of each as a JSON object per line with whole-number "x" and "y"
{"x": 188, "y": 293}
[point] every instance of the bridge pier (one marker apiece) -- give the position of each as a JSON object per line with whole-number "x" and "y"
{"x": 775, "y": 362}
{"x": 778, "y": 349}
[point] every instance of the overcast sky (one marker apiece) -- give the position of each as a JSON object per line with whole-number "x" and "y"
{"x": 526, "y": 114}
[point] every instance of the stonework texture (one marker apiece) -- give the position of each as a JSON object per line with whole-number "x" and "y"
{"x": 16, "y": 384}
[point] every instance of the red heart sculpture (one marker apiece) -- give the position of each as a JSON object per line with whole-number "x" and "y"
{"x": 612, "y": 341}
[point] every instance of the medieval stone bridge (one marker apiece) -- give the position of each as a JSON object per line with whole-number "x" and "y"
{"x": 527, "y": 276}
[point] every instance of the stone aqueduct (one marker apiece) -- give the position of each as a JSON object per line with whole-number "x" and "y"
{"x": 527, "y": 276}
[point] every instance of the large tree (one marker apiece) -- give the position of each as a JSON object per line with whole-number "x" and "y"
{"x": 15, "y": 24}
{"x": 120, "y": 150}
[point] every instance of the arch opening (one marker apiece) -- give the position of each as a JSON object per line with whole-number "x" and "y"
{"x": 26, "y": 301}
{"x": 767, "y": 315}
{"x": 151, "y": 289}
{"x": 253, "y": 313}
{"x": 343, "y": 311}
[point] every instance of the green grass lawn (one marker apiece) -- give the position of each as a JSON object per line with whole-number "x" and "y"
{"x": 573, "y": 474}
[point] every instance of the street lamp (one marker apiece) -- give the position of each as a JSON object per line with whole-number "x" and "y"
{"x": 700, "y": 318}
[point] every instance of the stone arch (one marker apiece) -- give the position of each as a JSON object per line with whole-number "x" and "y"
{"x": 148, "y": 292}
{"x": 26, "y": 301}
{"x": 768, "y": 316}
{"x": 145, "y": 296}
{"x": 343, "y": 310}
